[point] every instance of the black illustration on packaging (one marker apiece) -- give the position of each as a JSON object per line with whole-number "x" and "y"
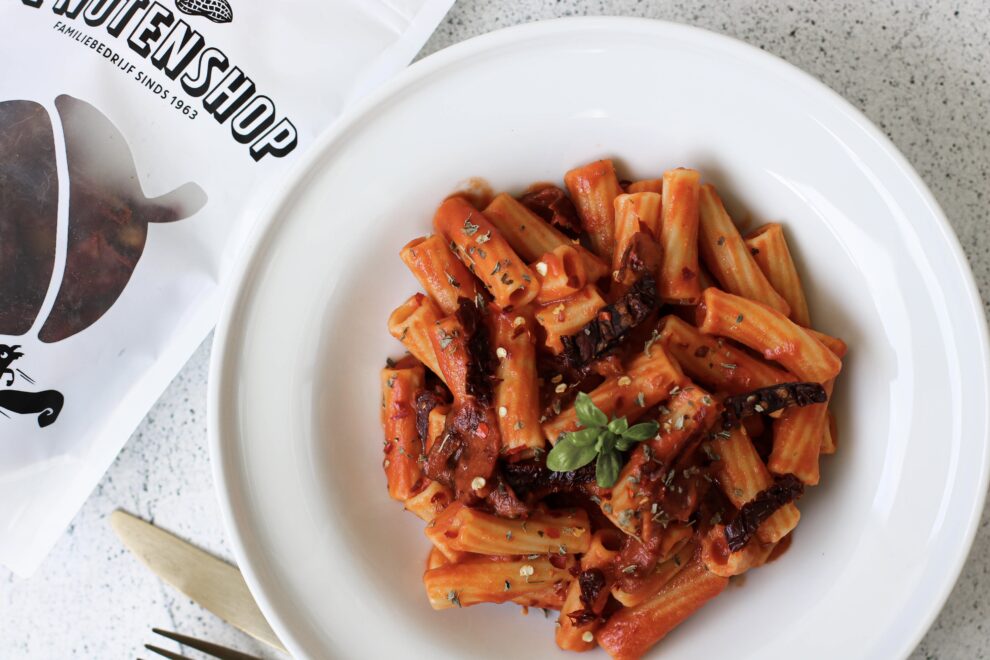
{"x": 47, "y": 404}
{"x": 218, "y": 11}
{"x": 107, "y": 220}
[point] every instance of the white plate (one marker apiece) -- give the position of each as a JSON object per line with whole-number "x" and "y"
{"x": 296, "y": 443}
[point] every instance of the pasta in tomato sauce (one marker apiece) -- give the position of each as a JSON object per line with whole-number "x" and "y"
{"x": 610, "y": 405}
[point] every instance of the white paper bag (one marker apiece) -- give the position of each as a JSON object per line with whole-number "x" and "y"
{"x": 137, "y": 140}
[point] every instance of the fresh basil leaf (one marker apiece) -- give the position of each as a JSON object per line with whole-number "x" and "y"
{"x": 618, "y": 426}
{"x": 643, "y": 431}
{"x": 624, "y": 443}
{"x": 588, "y": 414}
{"x": 607, "y": 469}
{"x": 585, "y": 437}
{"x": 566, "y": 455}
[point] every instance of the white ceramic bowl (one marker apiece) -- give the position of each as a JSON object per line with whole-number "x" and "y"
{"x": 296, "y": 445}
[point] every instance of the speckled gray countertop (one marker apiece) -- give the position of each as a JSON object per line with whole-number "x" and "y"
{"x": 917, "y": 69}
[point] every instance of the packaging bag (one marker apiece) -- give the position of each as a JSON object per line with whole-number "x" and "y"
{"x": 138, "y": 138}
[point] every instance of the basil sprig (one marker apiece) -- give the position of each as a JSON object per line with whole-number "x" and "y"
{"x": 601, "y": 439}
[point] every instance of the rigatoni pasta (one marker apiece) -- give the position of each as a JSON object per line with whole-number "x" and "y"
{"x": 770, "y": 333}
{"x": 531, "y": 236}
{"x": 402, "y": 447}
{"x": 727, "y": 256}
{"x": 470, "y": 530}
{"x": 566, "y": 317}
{"x": 411, "y": 323}
{"x": 714, "y": 362}
{"x": 593, "y": 188}
{"x": 484, "y": 580}
{"x": 573, "y": 629}
{"x": 517, "y": 392}
{"x": 561, "y": 273}
{"x": 484, "y": 251}
{"x": 439, "y": 272}
{"x": 742, "y": 476}
{"x": 679, "y": 274}
{"x": 634, "y": 213}
{"x": 612, "y": 449}
{"x": 631, "y": 631}
{"x": 769, "y": 249}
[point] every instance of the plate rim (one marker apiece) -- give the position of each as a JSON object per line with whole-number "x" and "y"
{"x": 270, "y": 217}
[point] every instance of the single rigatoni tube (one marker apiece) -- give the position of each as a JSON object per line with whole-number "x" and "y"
{"x": 664, "y": 573}
{"x": 450, "y": 347}
{"x": 797, "y": 440}
{"x": 646, "y": 185}
{"x": 572, "y": 627}
{"x": 481, "y": 580}
{"x": 769, "y": 249}
{"x": 720, "y": 561}
{"x": 441, "y": 274}
{"x": 593, "y": 188}
{"x": 741, "y": 473}
{"x": 768, "y": 332}
{"x": 561, "y": 273}
{"x": 402, "y": 444}
{"x": 630, "y": 632}
{"x": 531, "y": 236}
{"x": 727, "y": 257}
{"x": 714, "y": 362}
{"x": 742, "y": 476}
{"x": 795, "y": 428}
{"x": 648, "y": 381}
{"x": 517, "y": 394}
{"x": 679, "y": 237}
{"x": 485, "y": 252}
{"x": 428, "y": 503}
{"x": 634, "y": 213}
{"x": 568, "y": 316}
{"x": 794, "y": 432}
{"x": 470, "y": 530}
{"x": 411, "y": 323}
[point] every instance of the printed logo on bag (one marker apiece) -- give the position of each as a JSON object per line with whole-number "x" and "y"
{"x": 158, "y": 34}
{"x": 108, "y": 216}
{"x": 47, "y": 404}
{"x": 218, "y": 11}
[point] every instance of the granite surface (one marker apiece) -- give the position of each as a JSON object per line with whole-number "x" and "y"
{"x": 917, "y": 69}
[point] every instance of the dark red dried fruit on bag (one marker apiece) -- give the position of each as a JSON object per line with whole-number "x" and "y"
{"x": 28, "y": 212}
{"x": 218, "y": 11}
{"x": 108, "y": 218}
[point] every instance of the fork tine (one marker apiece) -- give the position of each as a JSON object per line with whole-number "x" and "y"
{"x": 165, "y": 652}
{"x": 217, "y": 651}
